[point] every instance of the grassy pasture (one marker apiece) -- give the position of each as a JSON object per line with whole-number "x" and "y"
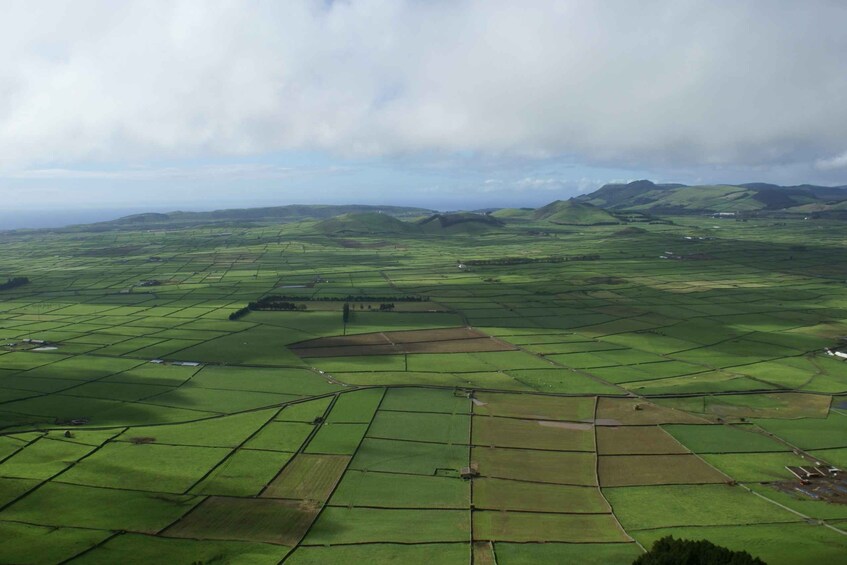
{"x": 159, "y": 468}
{"x": 351, "y": 525}
{"x": 244, "y": 473}
{"x": 409, "y": 457}
{"x": 421, "y": 554}
{"x": 534, "y": 434}
{"x": 54, "y": 545}
{"x": 281, "y": 436}
{"x": 755, "y": 467}
{"x": 100, "y": 508}
{"x": 308, "y": 477}
{"x": 636, "y": 440}
{"x": 389, "y": 490}
{"x": 573, "y": 409}
{"x": 557, "y": 553}
{"x": 724, "y": 439}
{"x": 499, "y": 494}
{"x": 648, "y": 507}
{"x": 246, "y": 519}
{"x": 776, "y": 544}
{"x": 126, "y": 548}
{"x": 754, "y": 317}
{"x": 632, "y": 470}
{"x": 419, "y": 426}
{"x": 535, "y": 527}
{"x": 425, "y": 400}
{"x": 568, "y": 468}
{"x": 337, "y": 439}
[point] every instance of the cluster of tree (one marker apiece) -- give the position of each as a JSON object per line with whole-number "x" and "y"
{"x": 14, "y": 282}
{"x": 527, "y": 260}
{"x": 274, "y": 303}
{"x": 241, "y": 312}
{"x": 672, "y": 551}
{"x": 386, "y": 307}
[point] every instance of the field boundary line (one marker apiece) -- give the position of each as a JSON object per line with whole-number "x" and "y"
{"x": 597, "y": 478}
{"x": 324, "y": 505}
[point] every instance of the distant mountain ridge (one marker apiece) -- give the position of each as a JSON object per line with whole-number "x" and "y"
{"x": 290, "y": 213}
{"x": 647, "y": 196}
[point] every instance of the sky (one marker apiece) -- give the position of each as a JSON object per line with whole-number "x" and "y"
{"x": 161, "y": 105}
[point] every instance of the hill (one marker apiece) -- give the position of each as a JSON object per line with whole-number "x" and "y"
{"x": 646, "y": 196}
{"x": 273, "y": 214}
{"x": 514, "y": 213}
{"x": 365, "y": 223}
{"x": 460, "y": 222}
{"x": 574, "y": 212}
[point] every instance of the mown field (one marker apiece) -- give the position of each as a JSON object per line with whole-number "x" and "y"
{"x": 599, "y": 404}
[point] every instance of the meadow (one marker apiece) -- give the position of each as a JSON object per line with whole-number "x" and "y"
{"x": 526, "y": 412}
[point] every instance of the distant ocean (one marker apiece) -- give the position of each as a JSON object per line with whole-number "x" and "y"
{"x": 17, "y": 219}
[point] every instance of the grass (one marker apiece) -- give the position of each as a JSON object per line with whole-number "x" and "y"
{"x": 724, "y": 439}
{"x": 536, "y": 527}
{"x": 417, "y": 426}
{"x": 126, "y": 548}
{"x": 246, "y": 519}
{"x": 337, "y": 439}
{"x": 534, "y": 434}
{"x": 54, "y": 545}
{"x": 407, "y": 457}
{"x": 244, "y": 473}
{"x": 532, "y": 406}
{"x": 633, "y": 470}
{"x": 349, "y": 525}
{"x": 389, "y": 490}
{"x": 780, "y": 544}
{"x": 531, "y": 465}
{"x": 644, "y": 508}
{"x": 636, "y": 440}
{"x": 499, "y": 494}
{"x": 557, "y": 553}
{"x": 100, "y": 508}
{"x": 424, "y": 554}
{"x": 308, "y": 477}
{"x": 754, "y": 317}
{"x": 158, "y": 468}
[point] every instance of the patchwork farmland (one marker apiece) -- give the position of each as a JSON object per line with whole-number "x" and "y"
{"x": 527, "y": 412}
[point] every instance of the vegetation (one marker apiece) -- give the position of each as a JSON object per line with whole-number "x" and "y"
{"x": 592, "y": 405}
{"x": 14, "y": 282}
{"x": 671, "y": 551}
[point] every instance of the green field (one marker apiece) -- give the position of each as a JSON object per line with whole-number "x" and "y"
{"x": 626, "y": 397}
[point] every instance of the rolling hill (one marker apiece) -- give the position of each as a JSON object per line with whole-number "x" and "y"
{"x": 574, "y": 212}
{"x": 365, "y": 223}
{"x": 646, "y": 196}
{"x": 460, "y": 222}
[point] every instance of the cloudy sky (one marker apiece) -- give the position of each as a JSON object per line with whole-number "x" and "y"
{"x": 452, "y": 103}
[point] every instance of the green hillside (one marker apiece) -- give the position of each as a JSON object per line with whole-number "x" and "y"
{"x": 574, "y": 212}
{"x": 462, "y": 222}
{"x": 367, "y": 223}
{"x": 647, "y": 196}
{"x": 514, "y": 213}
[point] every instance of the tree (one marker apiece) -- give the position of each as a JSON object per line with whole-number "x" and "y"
{"x": 671, "y": 551}
{"x": 345, "y": 313}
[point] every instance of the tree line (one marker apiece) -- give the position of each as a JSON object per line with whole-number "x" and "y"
{"x": 527, "y": 260}
{"x": 14, "y": 282}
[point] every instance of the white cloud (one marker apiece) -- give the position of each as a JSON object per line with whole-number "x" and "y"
{"x": 697, "y": 82}
{"x": 837, "y": 162}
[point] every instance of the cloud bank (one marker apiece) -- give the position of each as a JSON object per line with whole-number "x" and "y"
{"x": 641, "y": 84}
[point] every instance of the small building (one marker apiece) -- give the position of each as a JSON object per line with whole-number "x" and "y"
{"x": 469, "y": 472}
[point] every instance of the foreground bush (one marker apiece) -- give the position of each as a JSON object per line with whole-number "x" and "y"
{"x": 671, "y": 551}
